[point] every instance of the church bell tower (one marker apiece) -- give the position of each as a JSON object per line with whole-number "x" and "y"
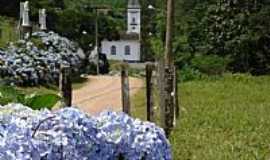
{"x": 134, "y": 17}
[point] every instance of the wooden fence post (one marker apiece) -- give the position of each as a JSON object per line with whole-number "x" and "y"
{"x": 125, "y": 90}
{"x": 160, "y": 79}
{"x": 168, "y": 99}
{"x": 165, "y": 83}
{"x": 149, "y": 92}
{"x": 160, "y": 82}
{"x": 176, "y": 102}
{"x": 65, "y": 86}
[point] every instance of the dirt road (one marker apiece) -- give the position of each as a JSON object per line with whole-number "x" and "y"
{"x": 103, "y": 93}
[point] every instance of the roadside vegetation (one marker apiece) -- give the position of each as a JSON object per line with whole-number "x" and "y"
{"x": 36, "y": 98}
{"x": 221, "y": 118}
{"x": 133, "y": 69}
{"x": 7, "y": 34}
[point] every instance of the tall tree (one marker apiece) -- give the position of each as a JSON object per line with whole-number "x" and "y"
{"x": 9, "y": 8}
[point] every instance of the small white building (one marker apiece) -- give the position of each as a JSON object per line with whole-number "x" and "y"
{"x": 128, "y": 48}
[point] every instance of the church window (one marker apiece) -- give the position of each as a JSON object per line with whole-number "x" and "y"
{"x": 133, "y": 20}
{"x": 113, "y": 50}
{"x": 127, "y": 50}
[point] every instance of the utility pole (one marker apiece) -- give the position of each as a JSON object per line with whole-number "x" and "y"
{"x": 169, "y": 33}
{"x": 103, "y": 9}
{"x": 97, "y": 44}
{"x": 168, "y": 75}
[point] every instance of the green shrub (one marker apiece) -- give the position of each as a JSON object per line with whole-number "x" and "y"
{"x": 38, "y": 43}
{"x": 38, "y": 102}
{"x": 35, "y": 101}
{"x": 210, "y": 64}
{"x": 188, "y": 73}
{"x": 10, "y": 95}
{"x": 116, "y": 66}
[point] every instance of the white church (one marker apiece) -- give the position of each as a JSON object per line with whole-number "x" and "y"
{"x": 128, "y": 48}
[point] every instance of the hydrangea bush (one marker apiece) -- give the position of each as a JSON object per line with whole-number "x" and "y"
{"x": 69, "y": 134}
{"x": 37, "y": 61}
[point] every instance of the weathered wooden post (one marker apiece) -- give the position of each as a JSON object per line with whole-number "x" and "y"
{"x": 160, "y": 81}
{"x": 65, "y": 86}
{"x": 166, "y": 95}
{"x": 168, "y": 74}
{"x": 149, "y": 92}
{"x": 168, "y": 99}
{"x": 97, "y": 40}
{"x": 176, "y": 102}
{"x": 125, "y": 89}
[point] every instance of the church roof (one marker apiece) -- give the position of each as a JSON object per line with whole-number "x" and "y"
{"x": 123, "y": 36}
{"x": 129, "y": 36}
{"x": 134, "y": 4}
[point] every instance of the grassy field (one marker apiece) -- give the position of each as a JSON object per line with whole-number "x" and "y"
{"x": 7, "y": 33}
{"x": 39, "y": 90}
{"x": 222, "y": 119}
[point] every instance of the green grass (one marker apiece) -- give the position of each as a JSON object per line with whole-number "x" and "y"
{"x": 7, "y": 29}
{"x": 138, "y": 103}
{"x": 222, "y": 119}
{"x": 39, "y": 90}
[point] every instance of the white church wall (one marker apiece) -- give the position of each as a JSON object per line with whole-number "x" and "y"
{"x": 120, "y": 50}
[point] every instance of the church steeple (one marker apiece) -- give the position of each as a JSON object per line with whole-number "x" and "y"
{"x": 134, "y": 17}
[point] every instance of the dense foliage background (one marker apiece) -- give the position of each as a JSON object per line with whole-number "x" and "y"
{"x": 212, "y": 36}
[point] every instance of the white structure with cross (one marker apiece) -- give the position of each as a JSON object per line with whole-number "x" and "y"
{"x": 128, "y": 48}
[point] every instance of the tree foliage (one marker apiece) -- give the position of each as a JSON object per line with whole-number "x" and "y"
{"x": 9, "y": 8}
{"x": 35, "y": 101}
{"x": 71, "y": 18}
{"x": 231, "y": 29}
{"x": 235, "y": 29}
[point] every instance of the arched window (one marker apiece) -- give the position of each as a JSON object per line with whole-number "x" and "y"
{"x": 127, "y": 50}
{"x": 113, "y": 50}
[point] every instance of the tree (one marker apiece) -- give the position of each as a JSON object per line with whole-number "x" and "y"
{"x": 9, "y": 8}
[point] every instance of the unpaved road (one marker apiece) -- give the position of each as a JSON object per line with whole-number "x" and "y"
{"x": 103, "y": 93}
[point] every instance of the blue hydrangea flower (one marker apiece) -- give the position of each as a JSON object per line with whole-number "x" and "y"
{"x": 30, "y": 63}
{"x": 70, "y": 134}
